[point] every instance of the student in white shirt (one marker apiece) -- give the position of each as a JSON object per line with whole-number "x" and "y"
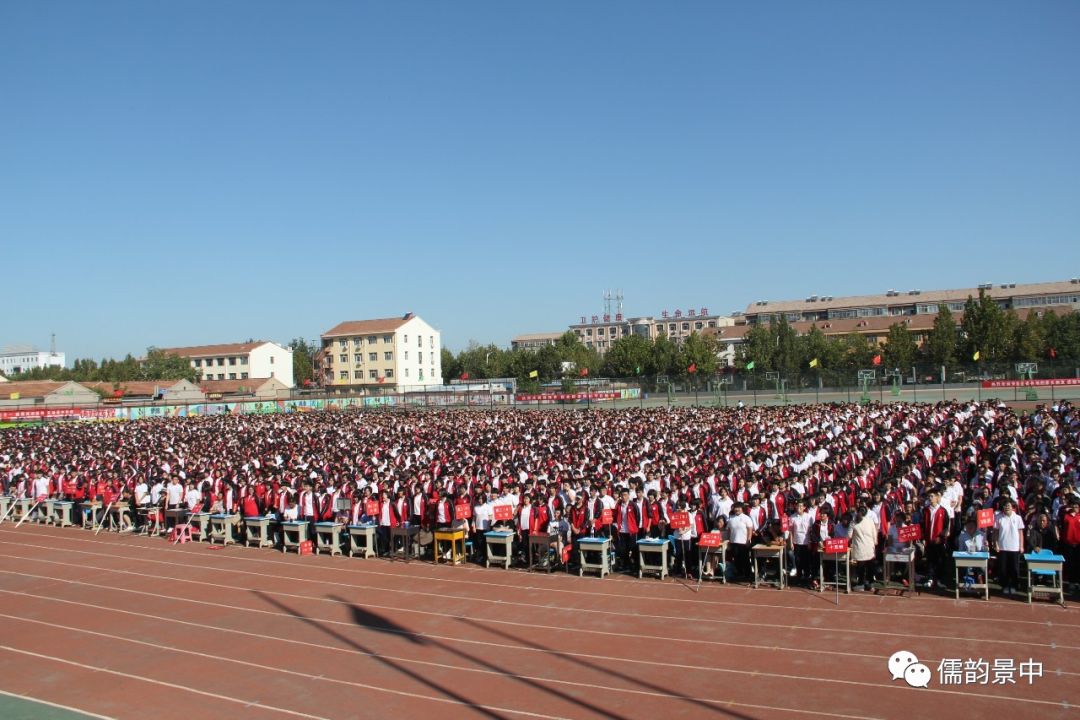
{"x": 740, "y": 534}
{"x": 1009, "y": 540}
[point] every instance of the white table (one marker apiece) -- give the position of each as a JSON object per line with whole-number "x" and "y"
{"x": 979, "y": 561}
{"x": 601, "y": 545}
{"x": 362, "y": 540}
{"x": 763, "y": 554}
{"x": 258, "y": 531}
{"x": 653, "y": 557}
{"x": 328, "y": 535}
{"x": 1045, "y": 564}
{"x": 499, "y": 539}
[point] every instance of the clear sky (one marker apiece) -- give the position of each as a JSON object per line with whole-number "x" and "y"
{"x": 177, "y": 173}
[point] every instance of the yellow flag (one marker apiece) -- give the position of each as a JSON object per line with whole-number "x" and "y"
{"x": 814, "y": 362}
{"x": 975, "y": 356}
{"x": 14, "y": 396}
{"x": 534, "y": 373}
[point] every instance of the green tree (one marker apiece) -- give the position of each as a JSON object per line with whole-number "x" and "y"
{"x": 700, "y": 351}
{"x": 757, "y": 347}
{"x": 303, "y": 360}
{"x": 626, "y": 355}
{"x": 451, "y": 368}
{"x": 983, "y": 329}
{"x": 665, "y": 358}
{"x": 941, "y": 342}
{"x": 900, "y": 348}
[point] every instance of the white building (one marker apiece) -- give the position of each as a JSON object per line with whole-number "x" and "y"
{"x": 18, "y": 360}
{"x": 399, "y": 352}
{"x": 239, "y": 361}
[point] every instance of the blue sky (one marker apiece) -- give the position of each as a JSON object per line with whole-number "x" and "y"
{"x": 198, "y": 172}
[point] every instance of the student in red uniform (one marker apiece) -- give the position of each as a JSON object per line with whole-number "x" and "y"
{"x": 1070, "y": 542}
{"x": 935, "y": 529}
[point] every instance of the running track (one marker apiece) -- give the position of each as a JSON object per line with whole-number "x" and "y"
{"x": 132, "y": 627}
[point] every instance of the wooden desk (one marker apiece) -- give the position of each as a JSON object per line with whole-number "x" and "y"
{"x": 704, "y": 553}
{"x": 362, "y": 539}
{"x": 222, "y": 526}
{"x": 258, "y": 532}
{"x": 89, "y": 510}
{"x": 540, "y": 551}
{"x": 499, "y": 539}
{"x": 409, "y": 548}
{"x": 116, "y": 517}
{"x": 60, "y": 512}
{"x": 762, "y": 554}
{"x": 648, "y": 550}
{"x": 328, "y": 535}
{"x": 979, "y": 561}
{"x": 891, "y": 560}
{"x": 840, "y": 563}
{"x": 293, "y": 532}
{"x": 1045, "y": 565}
{"x": 452, "y": 536}
{"x": 200, "y": 525}
{"x": 601, "y": 545}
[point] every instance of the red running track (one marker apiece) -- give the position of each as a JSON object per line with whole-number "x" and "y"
{"x": 130, "y": 627}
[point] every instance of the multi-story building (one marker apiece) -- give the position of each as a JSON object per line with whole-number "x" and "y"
{"x": 535, "y": 341}
{"x": 1063, "y": 295}
{"x": 600, "y": 332}
{"x": 387, "y": 352}
{"x": 239, "y": 361}
{"x": 19, "y": 360}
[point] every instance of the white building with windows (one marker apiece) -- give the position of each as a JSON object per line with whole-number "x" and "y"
{"x": 19, "y": 360}
{"x": 239, "y": 361}
{"x": 399, "y": 353}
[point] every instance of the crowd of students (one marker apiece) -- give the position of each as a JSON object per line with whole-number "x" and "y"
{"x": 791, "y": 476}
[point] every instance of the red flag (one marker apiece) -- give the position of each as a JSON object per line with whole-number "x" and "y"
{"x": 307, "y": 383}
{"x": 876, "y": 360}
{"x": 1053, "y": 353}
{"x": 584, "y": 372}
{"x": 692, "y": 368}
{"x": 464, "y": 376}
{"x": 381, "y": 380}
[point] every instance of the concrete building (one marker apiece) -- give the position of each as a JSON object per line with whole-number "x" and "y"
{"x": 48, "y": 393}
{"x": 535, "y": 341}
{"x": 169, "y": 391}
{"x": 399, "y": 352}
{"x": 1059, "y": 296}
{"x": 600, "y": 332}
{"x": 18, "y": 360}
{"x": 239, "y": 361}
{"x": 250, "y": 389}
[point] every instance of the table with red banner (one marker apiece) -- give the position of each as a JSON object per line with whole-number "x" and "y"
{"x": 892, "y": 560}
{"x": 836, "y": 553}
{"x": 713, "y": 544}
{"x": 762, "y": 555}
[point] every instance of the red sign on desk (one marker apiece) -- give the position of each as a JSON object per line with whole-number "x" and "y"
{"x": 711, "y": 540}
{"x": 680, "y": 520}
{"x": 502, "y": 512}
{"x": 836, "y": 545}
{"x": 371, "y": 508}
{"x": 909, "y": 533}
{"x": 985, "y": 518}
{"x": 606, "y": 517}
{"x": 785, "y": 523}
{"x": 463, "y": 511}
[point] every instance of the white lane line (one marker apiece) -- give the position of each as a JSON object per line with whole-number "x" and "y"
{"x": 55, "y": 705}
{"x": 604, "y": 658}
{"x": 614, "y": 595}
{"x": 257, "y": 666}
{"x": 502, "y": 604}
{"x": 412, "y": 661}
{"x": 98, "y": 668}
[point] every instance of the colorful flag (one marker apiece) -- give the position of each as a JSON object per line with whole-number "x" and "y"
{"x": 975, "y": 356}
{"x": 814, "y": 362}
{"x": 750, "y": 365}
{"x": 534, "y": 374}
{"x": 14, "y": 396}
{"x": 637, "y": 370}
{"x": 692, "y": 368}
{"x": 584, "y": 372}
{"x": 876, "y": 360}
{"x": 381, "y": 380}
{"x": 1053, "y": 353}
{"x": 464, "y": 376}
